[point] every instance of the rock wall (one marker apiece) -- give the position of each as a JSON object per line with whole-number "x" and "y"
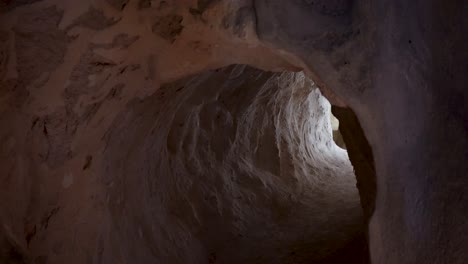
{"x": 67, "y": 70}
{"x": 112, "y": 151}
{"x": 230, "y": 166}
{"x": 400, "y": 67}
{"x": 91, "y": 92}
{"x": 234, "y": 165}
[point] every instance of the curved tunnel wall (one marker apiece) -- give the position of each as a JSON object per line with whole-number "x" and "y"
{"x": 236, "y": 165}
{"x": 59, "y": 59}
{"x": 108, "y": 156}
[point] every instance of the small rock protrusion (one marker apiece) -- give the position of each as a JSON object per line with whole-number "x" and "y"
{"x": 168, "y": 27}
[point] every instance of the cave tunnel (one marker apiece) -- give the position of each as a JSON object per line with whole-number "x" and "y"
{"x": 248, "y": 165}
{"x": 225, "y": 132}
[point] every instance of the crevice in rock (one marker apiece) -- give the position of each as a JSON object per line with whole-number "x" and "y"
{"x": 360, "y": 154}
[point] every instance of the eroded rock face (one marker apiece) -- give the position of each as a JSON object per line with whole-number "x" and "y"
{"x": 113, "y": 151}
{"x": 89, "y": 97}
{"x": 401, "y": 67}
{"x": 67, "y": 69}
{"x": 234, "y": 166}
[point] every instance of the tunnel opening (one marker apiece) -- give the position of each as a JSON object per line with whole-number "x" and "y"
{"x": 233, "y": 165}
{"x": 337, "y": 137}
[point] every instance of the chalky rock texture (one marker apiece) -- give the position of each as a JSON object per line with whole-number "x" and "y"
{"x": 110, "y": 137}
{"x": 233, "y": 166}
{"x": 125, "y": 140}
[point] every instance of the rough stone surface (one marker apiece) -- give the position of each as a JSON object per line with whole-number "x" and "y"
{"x": 235, "y": 165}
{"x": 257, "y": 180}
{"x": 401, "y": 67}
{"x": 122, "y": 155}
{"x": 98, "y": 165}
